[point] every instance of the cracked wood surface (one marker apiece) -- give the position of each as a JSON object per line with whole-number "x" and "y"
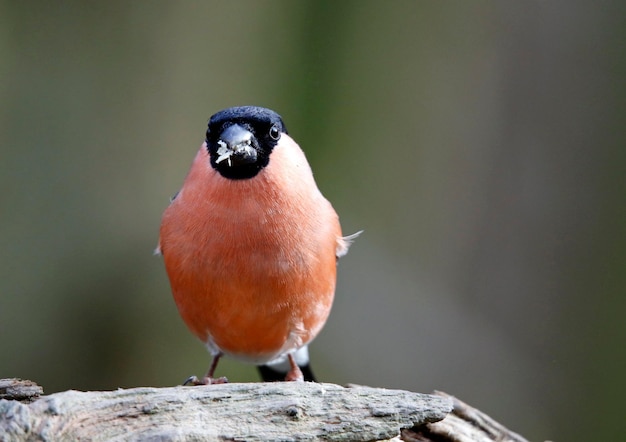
{"x": 284, "y": 411}
{"x": 250, "y": 412}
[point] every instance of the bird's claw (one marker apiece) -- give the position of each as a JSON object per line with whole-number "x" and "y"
{"x": 294, "y": 377}
{"x": 193, "y": 380}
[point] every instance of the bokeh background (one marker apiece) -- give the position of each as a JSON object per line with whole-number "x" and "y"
{"x": 480, "y": 145}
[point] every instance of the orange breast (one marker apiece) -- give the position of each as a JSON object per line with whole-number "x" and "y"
{"x": 252, "y": 262}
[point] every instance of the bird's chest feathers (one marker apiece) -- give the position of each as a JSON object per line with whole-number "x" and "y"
{"x": 260, "y": 229}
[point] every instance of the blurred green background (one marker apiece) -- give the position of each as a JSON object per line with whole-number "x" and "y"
{"x": 480, "y": 145}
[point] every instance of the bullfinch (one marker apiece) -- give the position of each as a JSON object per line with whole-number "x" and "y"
{"x": 250, "y": 246}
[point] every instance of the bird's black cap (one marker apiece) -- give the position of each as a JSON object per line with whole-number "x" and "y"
{"x": 247, "y": 114}
{"x": 263, "y": 128}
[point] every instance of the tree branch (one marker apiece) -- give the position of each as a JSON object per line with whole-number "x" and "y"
{"x": 251, "y": 412}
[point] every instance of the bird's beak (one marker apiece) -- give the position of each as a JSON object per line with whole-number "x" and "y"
{"x": 236, "y": 146}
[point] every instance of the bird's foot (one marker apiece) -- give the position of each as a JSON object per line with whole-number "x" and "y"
{"x": 291, "y": 377}
{"x": 294, "y": 374}
{"x": 193, "y": 380}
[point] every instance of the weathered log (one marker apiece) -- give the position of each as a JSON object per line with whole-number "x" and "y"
{"x": 251, "y": 412}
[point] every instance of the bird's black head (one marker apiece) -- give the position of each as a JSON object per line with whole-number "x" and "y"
{"x": 240, "y": 140}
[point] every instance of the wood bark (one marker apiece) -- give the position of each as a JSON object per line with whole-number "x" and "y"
{"x": 285, "y": 411}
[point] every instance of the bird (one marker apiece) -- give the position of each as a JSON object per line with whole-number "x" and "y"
{"x": 250, "y": 247}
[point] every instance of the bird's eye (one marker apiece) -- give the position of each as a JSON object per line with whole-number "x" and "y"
{"x": 274, "y": 132}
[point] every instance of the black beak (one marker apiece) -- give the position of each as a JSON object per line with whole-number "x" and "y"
{"x": 236, "y": 146}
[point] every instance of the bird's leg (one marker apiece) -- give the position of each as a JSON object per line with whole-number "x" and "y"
{"x": 295, "y": 374}
{"x": 208, "y": 379}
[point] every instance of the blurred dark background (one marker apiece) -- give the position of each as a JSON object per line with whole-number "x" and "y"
{"x": 480, "y": 145}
